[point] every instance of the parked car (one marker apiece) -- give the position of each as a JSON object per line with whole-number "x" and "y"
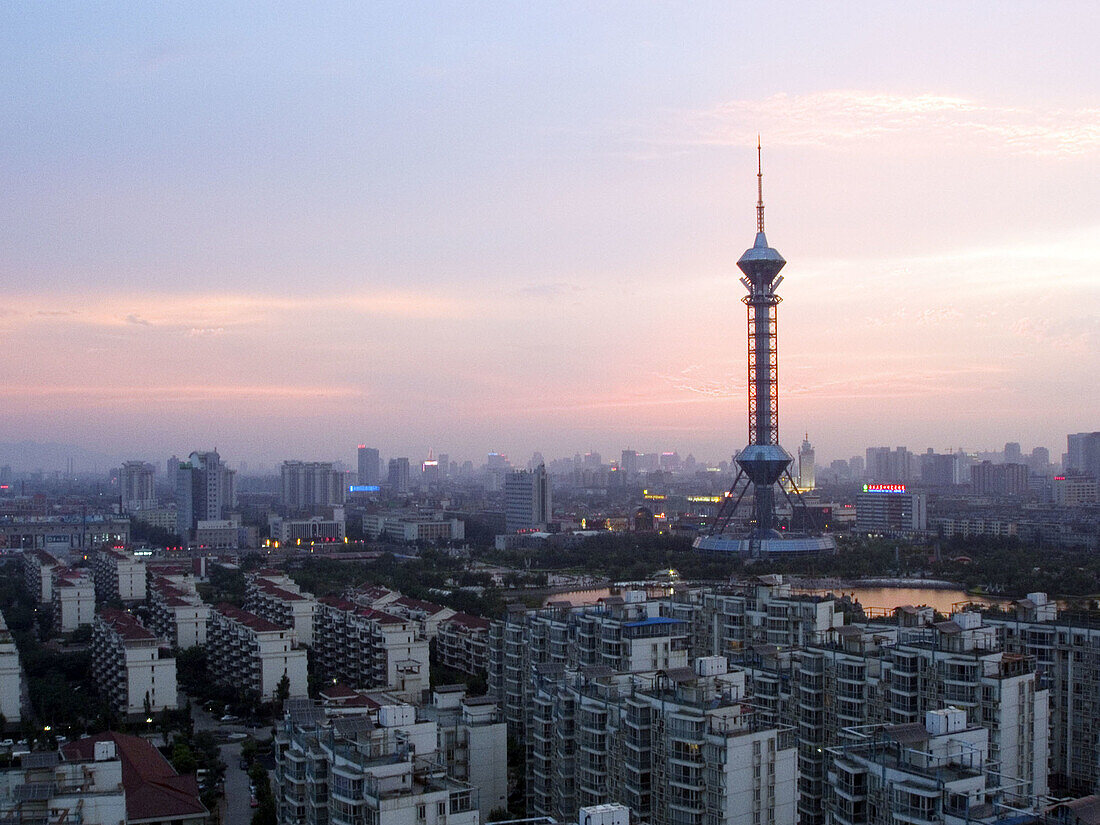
{"x": 6, "y": 743}
{"x": 230, "y": 718}
{"x": 237, "y": 737}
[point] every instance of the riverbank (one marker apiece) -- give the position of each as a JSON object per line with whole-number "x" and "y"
{"x": 807, "y": 583}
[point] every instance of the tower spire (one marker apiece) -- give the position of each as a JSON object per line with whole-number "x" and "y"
{"x": 759, "y": 188}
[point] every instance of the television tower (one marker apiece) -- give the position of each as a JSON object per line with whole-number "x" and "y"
{"x": 763, "y": 463}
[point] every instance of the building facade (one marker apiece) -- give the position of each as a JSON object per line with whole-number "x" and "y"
{"x": 253, "y": 654}
{"x": 130, "y": 666}
{"x": 528, "y": 500}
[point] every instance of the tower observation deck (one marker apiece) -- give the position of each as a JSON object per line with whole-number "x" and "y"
{"x": 763, "y": 464}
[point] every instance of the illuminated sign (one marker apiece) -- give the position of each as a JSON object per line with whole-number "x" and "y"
{"x": 362, "y": 446}
{"x": 1056, "y": 478}
{"x": 704, "y": 499}
{"x": 884, "y": 488}
{"x": 364, "y": 488}
{"x": 653, "y": 497}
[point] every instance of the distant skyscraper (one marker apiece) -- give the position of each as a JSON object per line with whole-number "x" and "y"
{"x": 205, "y": 491}
{"x": 806, "y": 475}
{"x": 884, "y": 465}
{"x": 527, "y": 499}
{"x": 939, "y": 469}
{"x": 1083, "y": 454}
{"x": 856, "y": 466}
{"x": 397, "y": 475}
{"x": 629, "y": 464}
{"x": 1013, "y": 454}
{"x": 136, "y": 485}
{"x": 307, "y": 485}
{"x": 992, "y": 479}
{"x": 1039, "y": 462}
{"x": 369, "y": 466}
{"x": 497, "y": 461}
{"x": 173, "y": 465}
{"x": 444, "y": 466}
{"x": 429, "y": 471}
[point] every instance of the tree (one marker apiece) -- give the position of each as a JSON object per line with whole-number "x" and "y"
{"x": 183, "y": 759}
{"x": 282, "y": 692}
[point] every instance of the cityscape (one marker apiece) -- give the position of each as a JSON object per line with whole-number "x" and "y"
{"x": 411, "y": 418}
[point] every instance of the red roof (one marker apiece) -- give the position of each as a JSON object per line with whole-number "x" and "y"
{"x": 247, "y": 619}
{"x": 153, "y": 788}
{"x": 431, "y": 608}
{"x": 468, "y": 620}
{"x": 278, "y": 592}
{"x": 125, "y": 624}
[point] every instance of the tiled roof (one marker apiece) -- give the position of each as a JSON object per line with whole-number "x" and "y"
{"x": 431, "y": 608}
{"x": 154, "y": 791}
{"x": 468, "y": 620}
{"x": 125, "y": 624}
{"x": 250, "y": 620}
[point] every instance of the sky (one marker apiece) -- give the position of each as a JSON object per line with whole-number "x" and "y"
{"x": 286, "y": 229}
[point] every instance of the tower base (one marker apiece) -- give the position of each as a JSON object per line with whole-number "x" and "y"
{"x": 787, "y": 545}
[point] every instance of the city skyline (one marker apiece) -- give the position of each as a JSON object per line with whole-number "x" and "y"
{"x": 494, "y": 228}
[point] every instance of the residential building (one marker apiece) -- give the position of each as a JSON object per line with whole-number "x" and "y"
{"x": 205, "y": 491}
{"x": 73, "y": 598}
{"x": 254, "y": 654}
{"x": 370, "y": 648}
{"x": 137, "y": 486}
{"x": 939, "y": 470}
{"x": 119, "y": 574}
{"x": 1083, "y": 454}
{"x": 369, "y": 466}
{"x": 887, "y": 467}
{"x": 350, "y": 770}
{"x": 682, "y": 745}
{"x": 528, "y": 500}
{"x": 274, "y": 596}
{"x": 462, "y": 643}
{"x": 427, "y": 615}
{"x": 397, "y": 475}
{"x": 890, "y": 509}
{"x": 177, "y": 612}
{"x": 989, "y": 479}
{"x": 38, "y": 567}
{"x": 307, "y": 485}
{"x": 43, "y": 790}
{"x": 132, "y": 669}
{"x": 155, "y": 793}
{"x": 11, "y": 677}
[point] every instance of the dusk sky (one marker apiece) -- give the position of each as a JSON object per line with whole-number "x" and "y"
{"x": 285, "y": 230}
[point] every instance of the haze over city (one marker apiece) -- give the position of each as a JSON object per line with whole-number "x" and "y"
{"x": 514, "y": 228}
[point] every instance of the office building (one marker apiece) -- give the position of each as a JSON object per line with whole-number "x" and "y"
{"x": 308, "y": 485}
{"x": 528, "y": 500}
{"x": 939, "y": 470}
{"x": 888, "y": 467}
{"x": 890, "y": 509}
{"x": 397, "y": 475}
{"x": 413, "y": 528}
{"x": 119, "y": 574}
{"x": 252, "y": 653}
{"x": 133, "y": 671}
{"x": 1075, "y": 491}
{"x": 137, "y": 486}
{"x": 369, "y": 466}
{"x": 1083, "y": 454}
{"x": 307, "y": 531}
{"x": 806, "y": 472}
{"x": 205, "y": 491}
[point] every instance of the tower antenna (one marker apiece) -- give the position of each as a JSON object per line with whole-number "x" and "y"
{"x": 759, "y": 188}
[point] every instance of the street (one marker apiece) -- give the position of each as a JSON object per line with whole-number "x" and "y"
{"x": 233, "y": 808}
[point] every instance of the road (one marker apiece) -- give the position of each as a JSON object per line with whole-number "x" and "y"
{"x": 234, "y": 807}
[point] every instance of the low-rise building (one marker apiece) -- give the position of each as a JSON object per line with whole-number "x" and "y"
{"x": 155, "y": 794}
{"x": 176, "y": 610}
{"x": 130, "y": 665}
{"x": 315, "y": 529}
{"x": 119, "y": 574}
{"x": 73, "y": 598}
{"x": 252, "y": 653}
{"x": 44, "y": 790}
{"x": 414, "y": 528}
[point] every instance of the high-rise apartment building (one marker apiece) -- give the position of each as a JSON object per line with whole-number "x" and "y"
{"x": 205, "y": 491}
{"x": 527, "y": 500}
{"x": 939, "y": 469}
{"x": 309, "y": 485}
{"x": 989, "y": 479}
{"x": 137, "y": 487}
{"x": 369, "y": 466}
{"x": 888, "y": 466}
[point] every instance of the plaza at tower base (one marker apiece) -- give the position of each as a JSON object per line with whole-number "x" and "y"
{"x": 781, "y": 545}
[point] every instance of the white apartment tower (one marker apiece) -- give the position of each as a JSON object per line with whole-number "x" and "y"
{"x": 137, "y": 486}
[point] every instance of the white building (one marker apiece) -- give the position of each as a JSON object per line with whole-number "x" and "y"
{"x": 414, "y": 528}
{"x": 370, "y": 648}
{"x": 133, "y": 671}
{"x": 73, "y": 597}
{"x": 462, "y": 643}
{"x": 305, "y": 485}
{"x": 381, "y": 769}
{"x": 806, "y": 471}
{"x": 177, "y": 612}
{"x": 38, "y": 567}
{"x": 46, "y": 790}
{"x": 313, "y": 530}
{"x": 119, "y": 574}
{"x": 274, "y": 596}
{"x": 247, "y": 651}
{"x": 11, "y": 677}
{"x": 427, "y": 615}
{"x": 137, "y": 486}
{"x": 205, "y": 491}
